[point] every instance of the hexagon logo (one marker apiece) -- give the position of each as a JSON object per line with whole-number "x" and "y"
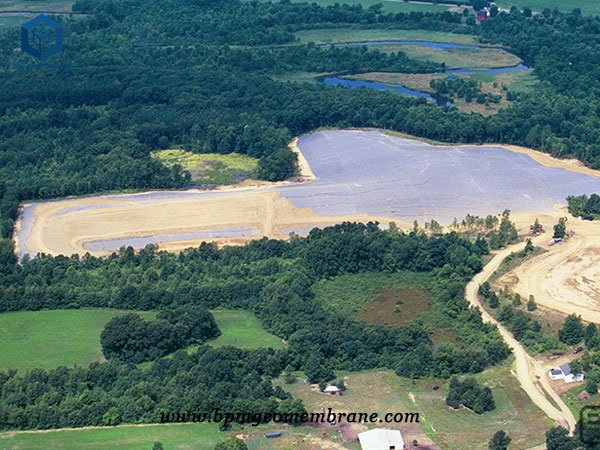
{"x": 42, "y": 37}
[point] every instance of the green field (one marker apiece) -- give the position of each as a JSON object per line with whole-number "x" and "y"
{"x": 383, "y": 391}
{"x": 210, "y": 168}
{"x": 172, "y": 436}
{"x": 331, "y": 36}
{"x": 49, "y": 339}
{"x": 126, "y": 437}
{"x": 242, "y": 329}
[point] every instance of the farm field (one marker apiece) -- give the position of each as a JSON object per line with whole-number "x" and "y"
{"x": 210, "y": 168}
{"x": 49, "y": 339}
{"x": 36, "y": 5}
{"x": 336, "y": 35}
{"x": 383, "y": 391}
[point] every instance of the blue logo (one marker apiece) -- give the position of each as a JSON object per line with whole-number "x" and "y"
{"x": 42, "y": 37}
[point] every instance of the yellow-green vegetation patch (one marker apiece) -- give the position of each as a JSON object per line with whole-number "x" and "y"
{"x": 49, "y": 339}
{"x": 459, "y": 58}
{"x": 210, "y": 168}
{"x": 591, "y": 7}
{"x": 329, "y": 36}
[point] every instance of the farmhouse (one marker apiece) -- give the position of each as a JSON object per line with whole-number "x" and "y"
{"x": 565, "y": 373}
{"x": 381, "y": 439}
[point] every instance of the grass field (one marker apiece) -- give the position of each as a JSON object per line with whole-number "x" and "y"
{"x": 210, "y": 168}
{"x": 383, "y": 391}
{"x": 331, "y": 36}
{"x": 243, "y": 329}
{"x": 49, "y": 339}
{"x": 126, "y": 437}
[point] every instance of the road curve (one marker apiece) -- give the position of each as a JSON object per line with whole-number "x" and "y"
{"x": 528, "y": 370}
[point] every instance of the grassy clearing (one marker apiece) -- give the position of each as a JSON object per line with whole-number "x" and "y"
{"x": 210, "y": 168}
{"x": 126, "y": 437}
{"x": 330, "y": 36}
{"x": 383, "y": 391}
{"x": 243, "y": 329}
{"x": 349, "y": 294}
{"x": 462, "y": 58}
{"x": 385, "y": 299}
{"x": 49, "y": 339}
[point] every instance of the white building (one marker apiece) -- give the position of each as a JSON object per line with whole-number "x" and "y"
{"x": 381, "y": 439}
{"x": 565, "y": 373}
{"x": 333, "y": 390}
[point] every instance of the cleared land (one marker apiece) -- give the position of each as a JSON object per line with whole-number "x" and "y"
{"x": 383, "y": 391}
{"x": 49, "y": 339}
{"x": 210, "y": 168}
{"x": 360, "y": 175}
{"x": 337, "y": 35}
{"x": 566, "y": 278}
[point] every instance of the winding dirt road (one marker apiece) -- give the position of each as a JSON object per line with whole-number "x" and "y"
{"x": 528, "y": 370}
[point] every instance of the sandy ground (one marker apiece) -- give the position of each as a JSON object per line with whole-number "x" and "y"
{"x": 566, "y": 278}
{"x": 530, "y": 373}
{"x": 112, "y": 217}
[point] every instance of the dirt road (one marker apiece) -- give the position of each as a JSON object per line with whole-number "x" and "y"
{"x": 527, "y": 369}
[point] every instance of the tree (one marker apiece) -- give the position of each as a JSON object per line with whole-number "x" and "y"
{"x": 500, "y": 441}
{"x": 528, "y": 246}
{"x": 557, "y": 438}
{"x": 591, "y": 386}
{"x": 536, "y": 228}
{"x": 571, "y": 332}
{"x": 232, "y": 444}
{"x": 531, "y": 304}
{"x": 527, "y": 11}
{"x": 517, "y": 300}
{"x": 560, "y": 229}
{"x": 494, "y": 302}
{"x": 157, "y": 446}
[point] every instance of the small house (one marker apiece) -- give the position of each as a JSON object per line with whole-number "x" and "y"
{"x": 570, "y": 377}
{"x": 381, "y": 439}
